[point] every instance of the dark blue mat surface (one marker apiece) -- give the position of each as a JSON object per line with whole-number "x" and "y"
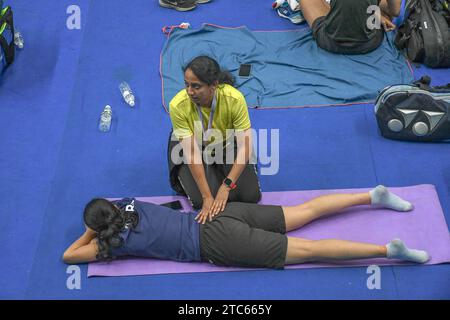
{"x": 53, "y": 158}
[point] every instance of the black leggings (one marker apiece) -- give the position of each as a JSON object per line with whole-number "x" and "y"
{"x": 247, "y": 189}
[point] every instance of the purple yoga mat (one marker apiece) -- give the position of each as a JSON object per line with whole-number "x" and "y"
{"x": 423, "y": 228}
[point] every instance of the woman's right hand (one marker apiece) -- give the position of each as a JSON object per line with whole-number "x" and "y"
{"x": 206, "y": 211}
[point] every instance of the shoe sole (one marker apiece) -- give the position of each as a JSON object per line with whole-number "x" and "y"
{"x": 203, "y": 1}
{"x": 170, "y": 6}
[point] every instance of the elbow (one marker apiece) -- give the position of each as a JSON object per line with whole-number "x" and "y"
{"x": 67, "y": 258}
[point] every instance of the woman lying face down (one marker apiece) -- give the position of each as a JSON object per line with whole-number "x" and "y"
{"x": 243, "y": 235}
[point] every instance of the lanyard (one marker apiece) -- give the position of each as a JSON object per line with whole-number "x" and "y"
{"x": 211, "y": 115}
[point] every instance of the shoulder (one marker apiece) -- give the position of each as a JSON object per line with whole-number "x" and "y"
{"x": 229, "y": 92}
{"x": 180, "y": 100}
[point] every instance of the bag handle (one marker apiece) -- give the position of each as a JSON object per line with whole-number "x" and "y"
{"x": 425, "y": 81}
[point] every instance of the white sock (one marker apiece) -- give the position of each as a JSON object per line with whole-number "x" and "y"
{"x": 396, "y": 249}
{"x": 293, "y": 4}
{"x": 381, "y": 196}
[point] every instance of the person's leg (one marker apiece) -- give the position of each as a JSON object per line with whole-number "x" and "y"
{"x": 313, "y": 9}
{"x": 300, "y": 215}
{"x": 190, "y": 187}
{"x": 248, "y": 189}
{"x": 302, "y": 250}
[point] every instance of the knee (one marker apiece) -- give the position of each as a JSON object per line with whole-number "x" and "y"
{"x": 251, "y": 196}
{"x": 189, "y": 189}
{"x": 196, "y": 203}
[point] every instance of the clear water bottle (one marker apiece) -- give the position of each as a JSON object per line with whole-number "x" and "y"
{"x": 127, "y": 94}
{"x": 105, "y": 119}
{"x": 18, "y": 40}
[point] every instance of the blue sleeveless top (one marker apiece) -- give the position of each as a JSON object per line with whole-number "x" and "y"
{"x": 161, "y": 233}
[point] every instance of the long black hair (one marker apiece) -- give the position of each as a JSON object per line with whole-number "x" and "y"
{"x": 107, "y": 220}
{"x": 208, "y": 71}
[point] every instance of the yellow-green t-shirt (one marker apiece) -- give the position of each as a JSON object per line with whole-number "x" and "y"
{"x": 231, "y": 113}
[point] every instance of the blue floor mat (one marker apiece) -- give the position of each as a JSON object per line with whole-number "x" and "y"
{"x": 34, "y": 93}
{"x": 288, "y": 68}
{"x": 53, "y": 158}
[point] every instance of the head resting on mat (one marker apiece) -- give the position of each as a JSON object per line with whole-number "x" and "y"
{"x": 107, "y": 220}
{"x": 201, "y": 76}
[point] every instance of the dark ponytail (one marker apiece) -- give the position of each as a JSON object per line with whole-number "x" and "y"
{"x": 108, "y": 221}
{"x": 208, "y": 71}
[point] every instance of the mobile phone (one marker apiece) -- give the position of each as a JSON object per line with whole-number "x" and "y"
{"x": 175, "y": 205}
{"x": 244, "y": 70}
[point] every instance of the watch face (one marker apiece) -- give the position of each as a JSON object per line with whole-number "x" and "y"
{"x": 227, "y": 181}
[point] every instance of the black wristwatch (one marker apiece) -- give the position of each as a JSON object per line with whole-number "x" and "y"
{"x": 229, "y": 183}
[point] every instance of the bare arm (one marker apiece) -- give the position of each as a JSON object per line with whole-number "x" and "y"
{"x": 194, "y": 159}
{"x": 83, "y": 250}
{"x": 391, "y": 7}
{"x": 244, "y": 150}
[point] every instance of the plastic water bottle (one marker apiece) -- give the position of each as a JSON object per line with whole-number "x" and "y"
{"x": 18, "y": 40}
{"x": 127, "y": 94}
{"x": 105, "y": 119}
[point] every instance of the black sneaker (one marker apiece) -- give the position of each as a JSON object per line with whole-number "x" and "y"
{"x": 179, "y": 5}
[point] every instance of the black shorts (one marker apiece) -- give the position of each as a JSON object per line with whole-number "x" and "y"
{"x": 245, "y": 235}
{"x": 325, "y": 42}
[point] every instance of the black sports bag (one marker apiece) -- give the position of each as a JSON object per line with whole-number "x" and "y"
{"x": 425, "y": 32}
{"x": 414, "y": 112}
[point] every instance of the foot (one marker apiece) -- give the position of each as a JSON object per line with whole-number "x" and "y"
{"x": 179, "y": 5}
{"x": 381, "y": 196}
{"x": 396, "y": 249}
{"x": 285, "y": 11}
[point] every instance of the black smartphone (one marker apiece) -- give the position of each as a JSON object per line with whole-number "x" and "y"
{"x": 244, "y": 70}
{"x": 175, "y": 205}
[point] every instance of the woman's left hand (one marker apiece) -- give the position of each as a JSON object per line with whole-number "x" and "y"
{"x": 221, "y": 200}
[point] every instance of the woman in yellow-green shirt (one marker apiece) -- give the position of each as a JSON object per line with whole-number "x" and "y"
{"x": 210, "y": 119}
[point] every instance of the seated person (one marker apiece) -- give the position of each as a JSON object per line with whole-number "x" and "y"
{"x": 203, "y": 116}
{"x": 243, "y": 235}
{"x": 345, "y": 26}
